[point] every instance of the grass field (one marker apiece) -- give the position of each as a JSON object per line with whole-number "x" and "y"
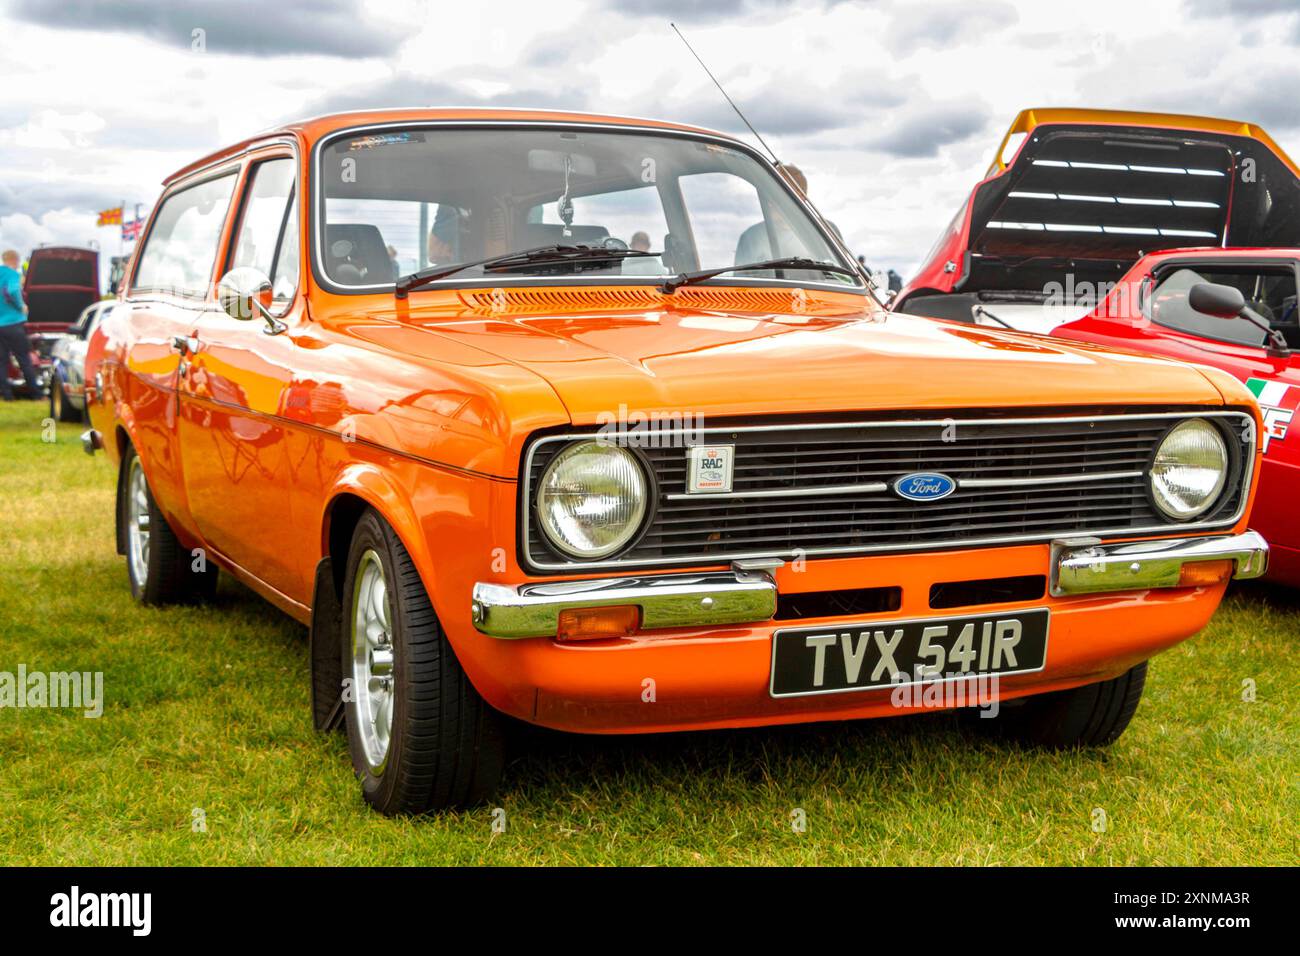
{"x": 206, "y": 709}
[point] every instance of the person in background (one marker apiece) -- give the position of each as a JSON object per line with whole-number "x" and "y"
{"x": 392, "y": 257}
{"x": 443, "y": 245}
{"x": 637, "y": 266}
{"x": 754, "y": 244}
{"x": 13, "y": 331}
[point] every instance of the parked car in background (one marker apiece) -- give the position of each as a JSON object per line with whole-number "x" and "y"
{"x": 1098, "y": 227}
{"x": 59, "y": 284}
{"x": 609, "y": 490}
{"x": 67, "y": 379}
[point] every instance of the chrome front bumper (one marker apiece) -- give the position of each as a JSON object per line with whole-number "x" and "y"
{"x": 1078, "y": 566}
{"x": 670, "y": 600}
{"x": 1086, "y": 566}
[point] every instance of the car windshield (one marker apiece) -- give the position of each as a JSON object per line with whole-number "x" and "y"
{"x": 399, "y": 201}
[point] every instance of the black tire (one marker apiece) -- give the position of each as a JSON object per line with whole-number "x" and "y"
{"x": 60, "y": 408}
{"x": 169, "y": 575}
{"x": 1093, "y": 715}
{"x": 445, "y": 749}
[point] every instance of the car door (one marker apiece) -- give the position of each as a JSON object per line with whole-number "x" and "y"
{"x": 171, "y": 285}
{"x": 1153, "y": 314}
{"x": 74, "y": 357}
{"x": 231, "y": 431}
{"x": 1169, "y": 326}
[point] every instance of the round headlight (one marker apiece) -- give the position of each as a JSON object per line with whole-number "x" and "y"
{"x": 591, "y": 499}
{"x": 1189, "y": 470}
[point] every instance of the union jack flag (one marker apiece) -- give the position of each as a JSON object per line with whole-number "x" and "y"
{"x": 131, "y": 230}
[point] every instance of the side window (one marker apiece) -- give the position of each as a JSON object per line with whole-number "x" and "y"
{"x": 181, "y": 248}
{"x": 1270, "y": 294}
{"x": 267, "y": 239}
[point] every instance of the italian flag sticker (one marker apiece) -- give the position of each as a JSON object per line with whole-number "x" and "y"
{"x": 1266, "y": 392}
{"x": 1270, "y": 396}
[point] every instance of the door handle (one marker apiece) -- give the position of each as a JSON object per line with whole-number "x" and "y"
{"x": 185, "y": 345}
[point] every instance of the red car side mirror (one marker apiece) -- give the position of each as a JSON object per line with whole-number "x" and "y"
{"x": 1220, "y": 301}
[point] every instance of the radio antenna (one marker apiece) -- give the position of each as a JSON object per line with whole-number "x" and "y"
{"x": 724, "y": 94}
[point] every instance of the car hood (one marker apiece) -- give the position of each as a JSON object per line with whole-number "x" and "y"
{"x": 1087, "y": 193}
{"x": 684, "y": 360}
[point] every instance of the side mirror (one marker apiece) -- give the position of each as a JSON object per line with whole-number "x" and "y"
{"x": 1220, "y": 301}
{"x": 244, "y": 294}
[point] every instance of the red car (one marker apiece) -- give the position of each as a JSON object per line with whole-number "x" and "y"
{"x": 1175, "y": 236}
{"x": 61, "y": 282}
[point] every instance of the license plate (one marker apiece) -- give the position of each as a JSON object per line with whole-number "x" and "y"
{"x": 838, "y": 658}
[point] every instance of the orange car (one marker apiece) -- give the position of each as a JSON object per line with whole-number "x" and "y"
{"x": 594, "y": 423}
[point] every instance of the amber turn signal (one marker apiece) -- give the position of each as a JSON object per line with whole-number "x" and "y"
{"x": 593, "y": 623}
{"x": 1202, "y": 574}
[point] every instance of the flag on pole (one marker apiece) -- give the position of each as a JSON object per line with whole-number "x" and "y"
{"x": 110, "y": 217}
{"x": 131, "y": 230}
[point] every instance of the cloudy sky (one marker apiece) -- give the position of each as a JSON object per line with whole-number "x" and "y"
{"x": 893, "y": 108}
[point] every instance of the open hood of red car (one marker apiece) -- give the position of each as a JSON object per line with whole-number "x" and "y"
{"x": 1089, "y": 192}
{"x": 60, "y": 282}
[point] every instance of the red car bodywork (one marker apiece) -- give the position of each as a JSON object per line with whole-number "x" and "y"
{"x": 988, "y": 262}
{"x": 59, "y": 284}
{"x": 1120, "y": 321}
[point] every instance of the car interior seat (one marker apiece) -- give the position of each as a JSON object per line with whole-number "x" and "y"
{"x": 356, "y": 254}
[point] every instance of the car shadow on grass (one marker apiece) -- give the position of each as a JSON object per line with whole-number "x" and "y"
{"x": 907, "y": 752}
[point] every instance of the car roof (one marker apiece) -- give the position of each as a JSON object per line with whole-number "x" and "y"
{"x": 1226, "y": 252}
{"x": 308, "y": 131}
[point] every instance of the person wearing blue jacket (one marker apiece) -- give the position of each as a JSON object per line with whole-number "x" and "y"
{"x": 13, "y": 331}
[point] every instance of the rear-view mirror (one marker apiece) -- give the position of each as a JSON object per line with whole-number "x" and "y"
{"x": 552, "y": 161}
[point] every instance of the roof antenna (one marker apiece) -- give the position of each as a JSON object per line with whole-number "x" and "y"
{"x": 724, "y": 94}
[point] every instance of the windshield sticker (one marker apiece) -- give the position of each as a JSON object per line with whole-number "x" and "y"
{"x": 1271, "y": 397}
{"x": 386, "y": 139}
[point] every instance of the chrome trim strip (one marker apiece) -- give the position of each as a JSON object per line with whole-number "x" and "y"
{"x": 677, "y": 600}
{"x": 921, "y": 423}
{"x": 1049, "y": 480}
{"x": 1247, "y": 434}
{"x": 1085, "y": 566}
{"x": 866, "y": 489}
{"x": 878, "y": 486}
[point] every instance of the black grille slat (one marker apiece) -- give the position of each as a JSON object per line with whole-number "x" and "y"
{"x": 1077, "y": 451}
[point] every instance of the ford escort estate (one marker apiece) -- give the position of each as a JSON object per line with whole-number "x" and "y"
{"x": 594, "y": 423}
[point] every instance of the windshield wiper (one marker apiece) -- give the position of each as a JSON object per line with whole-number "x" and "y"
{"x": 790, "y": 262}
{"x": 980, "y": 310}
{"x": 557, "y": 252}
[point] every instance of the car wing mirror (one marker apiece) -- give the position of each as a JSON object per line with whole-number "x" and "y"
{"x": 1227, "y": 302}
{"x": 244, "y": 294}
{"x": 1220, "y": 301}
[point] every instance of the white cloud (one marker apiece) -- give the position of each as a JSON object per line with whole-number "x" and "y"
{"x": 892, "y": 108}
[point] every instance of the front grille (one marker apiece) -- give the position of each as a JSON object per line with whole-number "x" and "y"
{"x": 826, "y": 489}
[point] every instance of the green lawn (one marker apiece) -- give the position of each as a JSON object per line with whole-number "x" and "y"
{"x": 207, "y": 708}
